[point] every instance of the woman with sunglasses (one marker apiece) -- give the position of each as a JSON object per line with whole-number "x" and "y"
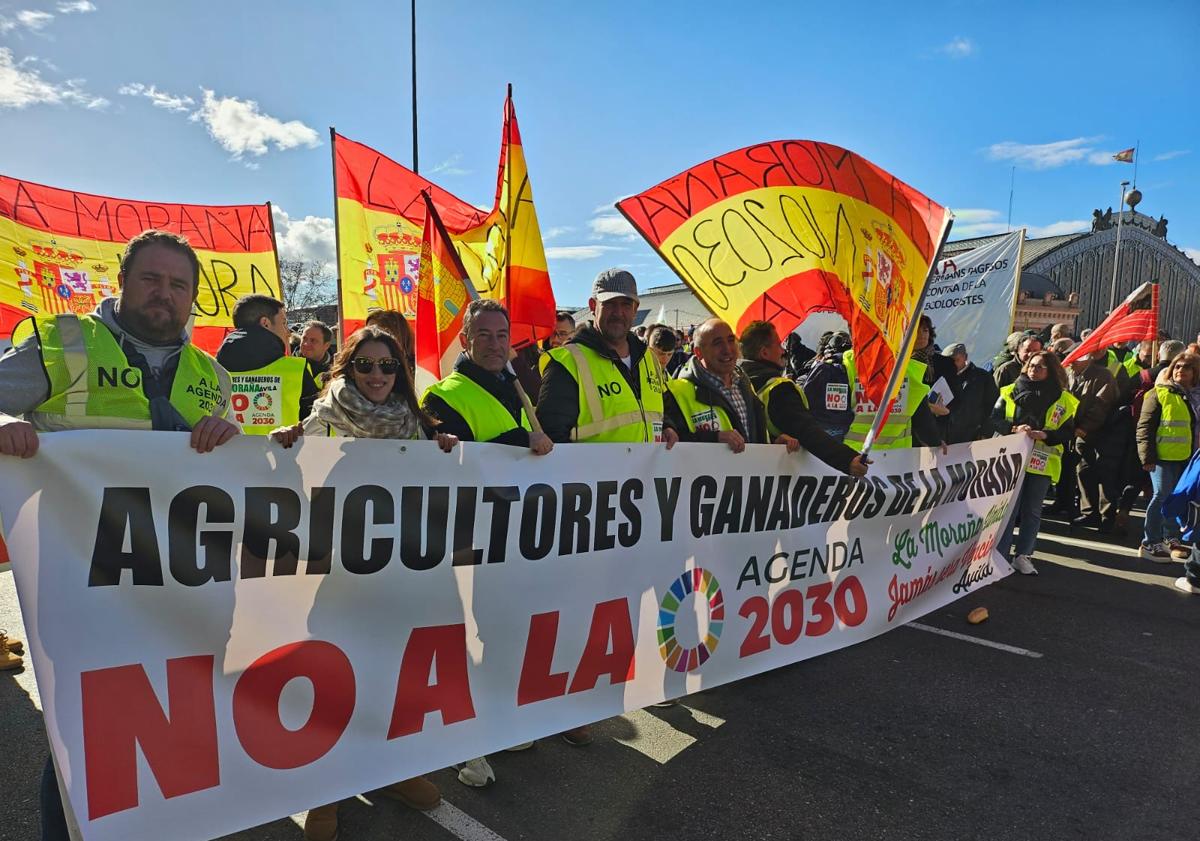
{"x": 1039, "y": 405}
{"x": 369, "y": 394}
{"x": 1166, "y": 439}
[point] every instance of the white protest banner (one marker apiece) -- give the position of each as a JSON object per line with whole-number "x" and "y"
{"x": 271, "y": 630}
{"x": 971, "y": 297}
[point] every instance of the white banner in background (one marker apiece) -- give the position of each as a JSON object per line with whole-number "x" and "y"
{"x": 270, "y": 630}
{"x": 971, "y": 297}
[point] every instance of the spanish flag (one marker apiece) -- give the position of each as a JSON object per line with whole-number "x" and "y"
{"x": 443, "y": 292}
{"x": 1125, "y": 157}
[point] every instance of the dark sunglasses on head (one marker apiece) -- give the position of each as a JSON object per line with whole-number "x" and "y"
{"x": 363, "y": 365}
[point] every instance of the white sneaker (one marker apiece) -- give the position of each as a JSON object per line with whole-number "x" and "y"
{"x": 1157, "y": 552}
{"x": 1183, "y": 584}
{"x": 477, "y": 773}
{"x": 1023, "y": 565}
{"x": 522, "y": 746}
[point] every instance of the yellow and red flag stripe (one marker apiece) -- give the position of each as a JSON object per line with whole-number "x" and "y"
{"x": 60, "y": 251}
{"x": 443, "y": 292}
{"x": 783, "y": 229}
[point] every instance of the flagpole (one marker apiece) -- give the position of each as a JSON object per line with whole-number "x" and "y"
{"x": 413, "y": 6}
{"x": 1112, "y": 295}
{"x": 1137, "y": 149}
{"x": 337, "y": 241}
{"x": 1012, "y": 183}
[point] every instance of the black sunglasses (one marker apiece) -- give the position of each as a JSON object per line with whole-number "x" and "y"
{"x": 363, "y": 365}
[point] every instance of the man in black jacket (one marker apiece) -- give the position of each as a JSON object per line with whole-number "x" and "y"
{"x": 786, "y": 408}
{"x": 971, "y": 411}
{"x": 261, "y": 337}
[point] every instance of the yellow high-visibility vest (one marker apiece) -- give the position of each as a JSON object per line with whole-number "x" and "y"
{"x": 896, "y": 432}
{"x": 1175, "y": 433}
{"x": 487, "y": 416}
{"x": 609, "y": 411}
{"x": 269, "y": 397}
{"x": 1046, "y": 459}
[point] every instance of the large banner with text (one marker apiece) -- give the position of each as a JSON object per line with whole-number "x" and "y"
{"x": 270, "y": 630}
{"x": 60, "y": 252}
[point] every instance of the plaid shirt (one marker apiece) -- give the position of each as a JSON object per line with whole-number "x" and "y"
{"x": 733, "y": 395}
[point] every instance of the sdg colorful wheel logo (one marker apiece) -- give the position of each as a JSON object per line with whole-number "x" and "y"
{"x": 705, "y": 586}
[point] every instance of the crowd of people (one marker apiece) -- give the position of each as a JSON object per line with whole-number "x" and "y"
{"x": 1107, "y": 429}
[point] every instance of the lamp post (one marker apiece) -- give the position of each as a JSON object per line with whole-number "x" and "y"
{"x": 1112, "y": 296}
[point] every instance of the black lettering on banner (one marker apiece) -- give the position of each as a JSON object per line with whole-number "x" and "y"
{"x": 606, "y": 514}
{"x": 356, "y": 558}
{"x": 29, "y": 203}
{"x": 129, "y": 227}
{"x": 501, "y": 499}
{"x": 271, "y": 514}
{"x": 100, "y": 214}
{"x": 162, "y": 222}
{"x": 223, "y": 295}
{"x": 730, "y": 507}
{"x": 575, "y": 530}
{"x": 433, "y": 526}
{"x": 758, "y": 503}
{"x": 320, "y": 531}
{"x": 704, "y": 489}
{"x": 125, "y": 512}
{"x": 781, "y": 508}
{"x": 667, "y": 491}
{"x": 464, "y": 552}
{"x": 538, "y": 515}
{"x": 257, "y": 277}
{"x": 183, "y": 528}
{"x": 630, "y": 532}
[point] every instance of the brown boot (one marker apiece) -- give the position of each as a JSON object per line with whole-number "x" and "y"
{"x": 8, "y": 658}
{"x": 578, "y": 736}
{"x": 320, "y": 824}
{"x": 417, "y": 793}
{"x": 16, "y": 646}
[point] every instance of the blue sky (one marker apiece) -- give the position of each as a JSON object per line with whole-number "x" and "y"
{"x": 229, "y": 102}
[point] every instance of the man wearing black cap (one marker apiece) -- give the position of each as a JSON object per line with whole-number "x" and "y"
{"x": 603, "y": 385}
{"x": 970, "y": 413}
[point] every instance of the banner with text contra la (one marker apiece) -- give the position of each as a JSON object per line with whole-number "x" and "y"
{"x": 271, "y": 630}
{"x": 60, "y": 252}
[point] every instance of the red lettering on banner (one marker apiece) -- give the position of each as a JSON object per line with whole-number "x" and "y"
{"x": 121, "y": 713}
{"x": 537, "y": 683}
{"x": 256, "y": 703}
{"x": 416, "y": 696}
{"x": 610, "y": 622}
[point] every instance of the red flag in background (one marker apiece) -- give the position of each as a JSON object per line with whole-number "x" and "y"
{"x": 1125, "y": 157}
{"x": 1136, "y": 319}
{"x": 443, "y": 292}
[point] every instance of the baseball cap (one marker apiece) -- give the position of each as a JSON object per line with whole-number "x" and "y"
{"x": 614, "y": 283}
{"x": 956, "y": 348}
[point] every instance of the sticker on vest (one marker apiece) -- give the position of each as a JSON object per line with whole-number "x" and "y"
{"x": 658, "y": 431}
{"x": 837, "y": 397}
{"x": 706, "y": 421}
{"x": 1057, "y": 415}
{"x": 1038, "y": 460}
{"x": 257, "y": 399}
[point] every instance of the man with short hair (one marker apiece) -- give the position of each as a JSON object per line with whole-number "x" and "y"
{"x": 316, "y": 346}
{"x": 1062, "y": 330}
{"x": 971, "y": 412}
{"x": 1007, "y": 373}
{"x": 53, "y": 378}
{"x": 661, "y": 342}
{"x": 564, "y": 328}
{"x": 786, "y": 406}
{"x": 1096, "y": 389}
{"x": 479, "y": 401}
{"x": 271, "y": 388}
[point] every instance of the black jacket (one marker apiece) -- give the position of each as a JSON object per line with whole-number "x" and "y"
{"x": 711, "y": 397}
{"x": 558, "y": 401}
{"x": 970, "y": 413}
{"x": 786, "y": 409}
{"x": 257, "y": 347}
{"x": 501, "y": 387}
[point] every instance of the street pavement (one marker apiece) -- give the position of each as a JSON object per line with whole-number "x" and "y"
{"x": 1081, "y": 725}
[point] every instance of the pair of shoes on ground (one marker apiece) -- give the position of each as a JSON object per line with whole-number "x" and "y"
{"x": 476, "y": 773}
{"x": 11, "y": 650}
{"x": 321, "y": 823}
{"x": 1159, "y": 553}
{"x": 1179, "y": 550}
{"x": 1024, "y": 565}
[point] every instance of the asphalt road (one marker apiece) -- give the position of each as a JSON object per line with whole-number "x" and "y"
{"x": 913, "y": 735}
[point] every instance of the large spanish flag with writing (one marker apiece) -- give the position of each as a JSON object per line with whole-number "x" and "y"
{"x": 380, "y": 218}
{"x": 60, "y": 251}
{"x": 443, "y": 292}
{"x": 784, "y": 229}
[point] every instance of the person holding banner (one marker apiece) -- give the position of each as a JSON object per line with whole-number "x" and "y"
{"x": 270, "y": 387}
{"x": 1039, "y": 405}
{"x": 482, "y": 400}
{"x": 911, "y": 418}
{"x": 784, "y": 402}
{"x": 604, "y": 385}
{"x": 128, "y": 365}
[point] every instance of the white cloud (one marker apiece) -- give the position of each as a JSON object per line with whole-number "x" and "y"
{"x": 553, "y": 233}
{"x": 580, "y": 252}
{"x": 29, "y": 19}
{"x": 450, "y": 166}
{"x": 160, "y": 99}
{"x": 1047, "y": 155}
{"x": 1069, "y": 226}
{"x": 241, "y": 128}
{"x": 22, "y": 85}
{"x": 612, "y": 226}
{"x": 983, "y": 222}
{"x": 1194, "y": 253}
{"x": 608, "y": 208}
{"x": 310, "y": 239}
{"x": 958, "y": 47}
{"x": 76, "y": 7}
{"x": 1174, "y": 153}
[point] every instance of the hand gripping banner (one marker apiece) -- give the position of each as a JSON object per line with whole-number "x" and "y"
{"x": 308, "y": 624}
